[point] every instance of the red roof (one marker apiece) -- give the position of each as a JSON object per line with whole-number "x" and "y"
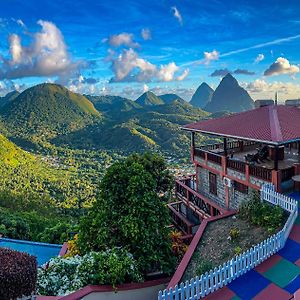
{"x": 274, "y": 124}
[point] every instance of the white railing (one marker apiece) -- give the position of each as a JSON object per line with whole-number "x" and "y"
{"x": 215, "y": 279}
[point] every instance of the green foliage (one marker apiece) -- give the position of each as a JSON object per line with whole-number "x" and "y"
{"x": 238, "y": 250}
{"x": 129, "y": 213}
{"x": 234, "y": 233}
{"x": 204, "y": 266}
{"x": 57, "y": 234}
{"x": 64, "y": 275}
{"x": 262, "y": 213}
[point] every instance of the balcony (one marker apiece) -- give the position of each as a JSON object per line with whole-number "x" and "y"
{"x": 212, "y": 156}
{"x": 192, "y": 207}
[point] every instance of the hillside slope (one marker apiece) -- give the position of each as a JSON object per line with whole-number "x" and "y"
{"x": 149, "y": 99}
{"x": 154, "y": 127}
{"x": 48, "y": 109}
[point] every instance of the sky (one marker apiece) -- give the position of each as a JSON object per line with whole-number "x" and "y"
{"x": 129, "y": 47}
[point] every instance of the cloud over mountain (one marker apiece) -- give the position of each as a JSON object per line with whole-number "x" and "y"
{"x": 281, "y": 66}
{"x": 128, "y": 66}
{"x": 46, "y": 55}
{"x": 223, "y": 72}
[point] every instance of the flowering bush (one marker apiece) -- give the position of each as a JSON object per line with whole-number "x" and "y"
{"x": 67, "y": 274}
{"x": 73, "y": 247}
{"x": 18, "y": 273}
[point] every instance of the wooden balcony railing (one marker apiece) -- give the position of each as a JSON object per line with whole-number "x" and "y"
{"x": 237, "y": 165}
{"x": 214, "y": 158}
{"x": 199, "y": 152}
{"x": 203, "y": 205}
{"x": 260, "y": 172}
{"x": 180, "y": 221}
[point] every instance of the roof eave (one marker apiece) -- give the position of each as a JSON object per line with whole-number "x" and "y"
{"x": 241, "y": 138}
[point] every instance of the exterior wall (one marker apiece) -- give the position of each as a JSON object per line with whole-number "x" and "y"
{"x": 236, "y": 174}
{"x": 257, "y": 181}
{"x": 235, "y": 197}
{"x": 203, "y": 187}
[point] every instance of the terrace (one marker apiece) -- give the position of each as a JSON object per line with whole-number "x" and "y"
{"x": 288, "y": 160}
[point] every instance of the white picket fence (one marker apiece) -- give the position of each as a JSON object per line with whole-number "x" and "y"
{"x": 215, "y": 279}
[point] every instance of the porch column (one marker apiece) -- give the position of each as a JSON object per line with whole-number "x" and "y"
{"x": 276, "y": 158}
{"x": 192, "y": 145}
{"x": 225, "y": 146}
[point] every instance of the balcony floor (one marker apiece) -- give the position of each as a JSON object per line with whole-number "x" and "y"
{"x": 290, "y": 157}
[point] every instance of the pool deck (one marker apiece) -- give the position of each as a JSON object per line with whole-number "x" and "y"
{"x": 277, "y": 278}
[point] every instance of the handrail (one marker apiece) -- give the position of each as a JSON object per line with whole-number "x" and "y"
{"x": 210, "y": 202}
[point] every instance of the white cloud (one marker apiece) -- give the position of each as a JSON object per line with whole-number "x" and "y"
{"x": 145, "y": 88}
{"x": 166, "y": 72}
{"x": 177, "y": 14}
{"x": 21, "y": 23}
{"x": 261, "y": 89}
{"x": 146, "y": 34}
{"x": 121, "y": 39}
{"x": 210, "y": 56}
{"x": 184, "y": 74}
{"x": 259, "y": 58}
{"x": 7, "y": 86}
{"x": 129, "y": 67}
{"x": 281, "y": 66}
{"x": 46, "y": 55}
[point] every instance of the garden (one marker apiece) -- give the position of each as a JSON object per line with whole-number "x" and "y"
{"x": 225, "y": 238}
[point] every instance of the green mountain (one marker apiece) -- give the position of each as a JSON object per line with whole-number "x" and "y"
{"x": 47, "y": 110}
{"x": 149, "y": 99}
{"x": 230, "y": 96}
{"x": 202, "y": 95}
{"x": 112, "y": 104}
{"x": 8, "y": 98}
{"x": 167, "y": 98}
{"x": 153, "y": 127}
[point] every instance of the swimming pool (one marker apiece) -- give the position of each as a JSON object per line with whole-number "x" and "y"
{"x": 42, "y": 251}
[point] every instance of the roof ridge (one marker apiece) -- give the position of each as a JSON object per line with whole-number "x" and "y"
{"x": 275, "y": 128}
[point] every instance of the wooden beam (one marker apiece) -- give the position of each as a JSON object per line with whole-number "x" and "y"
{"x": 276, "y": 158}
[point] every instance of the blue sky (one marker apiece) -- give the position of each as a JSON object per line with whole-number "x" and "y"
{"x": 127, "y": 47}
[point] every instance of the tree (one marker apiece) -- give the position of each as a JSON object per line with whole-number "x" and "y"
{"x": 129, "y": 213}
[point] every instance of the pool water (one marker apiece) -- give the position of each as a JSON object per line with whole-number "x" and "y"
{"x": 42, "y": 251}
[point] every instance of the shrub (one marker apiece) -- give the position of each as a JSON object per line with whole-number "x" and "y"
{"x": 178, "y": 246}
{"x": 73, "y": 249}
{"x": 238, "y": 250}
{"x": 234, "y": 233}
{"x": 204, "y": 266}
{"x": 262, "y": 214}
{"x": 18, "y": 274}
{"x": 64, "y": 275}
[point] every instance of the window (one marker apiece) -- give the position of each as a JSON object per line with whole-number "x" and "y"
{"x": 213, "y": 183}
{"x": 240, "y": 187}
